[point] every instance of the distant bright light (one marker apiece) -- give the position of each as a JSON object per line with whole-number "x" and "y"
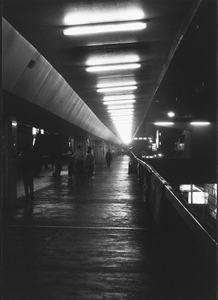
{"x": 163, "y": 123}
{"x": 117, "y": 107}
{"x": 113, "y": 67}
{"x": 200, "y": 123}
{"x": 171, "y": 114}
{"x": 118, "y": 102}
{"x": 115, "y": 89}
{"x": 87, "y": 14}
{"x": 115, "y": 83}
{"x": 119, "y": 97}
{"x": 125, "y": 135}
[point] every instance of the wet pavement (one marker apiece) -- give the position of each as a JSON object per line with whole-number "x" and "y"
{"x": 85, "y": 239}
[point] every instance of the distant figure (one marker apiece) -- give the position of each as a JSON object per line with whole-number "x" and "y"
{"x": 28, "y": 170}
{"x": 89, "y": 163}
{"x": 80, "y": 157}
{"x": 108, "y": 157}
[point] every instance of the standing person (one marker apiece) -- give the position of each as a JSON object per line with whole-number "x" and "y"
{"x": 89, "y": 163}
{"x": 28, "y": 170}
{"x": 80, "y": 157}
{"x": 108, "y": 157}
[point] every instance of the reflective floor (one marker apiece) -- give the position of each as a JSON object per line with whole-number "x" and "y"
{"x": 86, "y": 239}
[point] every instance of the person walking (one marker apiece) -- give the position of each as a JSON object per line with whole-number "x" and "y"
{"x": 108, "y": 157}
{"x": 89, "y": 163}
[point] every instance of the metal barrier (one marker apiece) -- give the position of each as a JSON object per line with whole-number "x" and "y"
{"x": 188, "y": 240}
{"x": 169, "y": 209}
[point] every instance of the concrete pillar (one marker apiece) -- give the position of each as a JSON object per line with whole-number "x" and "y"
{"x": 99, "y": 151}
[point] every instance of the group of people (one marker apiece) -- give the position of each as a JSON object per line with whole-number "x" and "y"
{"x": 81, "y": 162}
{"x": 78, "y": 160}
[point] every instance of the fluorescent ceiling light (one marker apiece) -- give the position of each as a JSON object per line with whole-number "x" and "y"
{"x": 119, "y": 97}
{"x": 164, "y": 123}
{"x": 117, "y": 107}
{"x": 115, "y": 84}
{"x": 113, "y": 67}
{"x": 110, "y": 59}
{"x": 91, "y": 29}
{"x": 117, "y": 102}
{"x": 115, "y": 89}
{"x": 89, "y": 14}
{"x": 200, "y": 123}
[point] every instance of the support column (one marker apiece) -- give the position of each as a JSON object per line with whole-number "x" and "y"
{"x": 99, "y": 151}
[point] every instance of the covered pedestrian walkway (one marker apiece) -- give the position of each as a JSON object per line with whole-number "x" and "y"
{"x": 84, "y": 239}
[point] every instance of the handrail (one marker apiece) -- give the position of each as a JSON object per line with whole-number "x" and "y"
{"x": 190, "y": 217}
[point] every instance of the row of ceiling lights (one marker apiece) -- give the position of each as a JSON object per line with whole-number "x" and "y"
{"x": 118, "y": 96}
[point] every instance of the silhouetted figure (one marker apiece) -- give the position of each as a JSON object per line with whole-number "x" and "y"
{"x": 71, "y": 165}
{"x": 28, "y": 170}
{"x": 89, "y": 163}
{"x": 108, "y": 157}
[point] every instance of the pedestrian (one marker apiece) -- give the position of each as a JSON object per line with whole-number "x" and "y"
{"x": 108, "y": 157}
{"x": 89, "y": 163}
{"x": 80, "y": 157}
{"x": 28, "y": 170}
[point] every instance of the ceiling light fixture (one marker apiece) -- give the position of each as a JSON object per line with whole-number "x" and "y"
{"x": 113, "y": 67}
{"x": 118, "y": 102}
{"x": 119, "y": 97}
{"x": 163, "y": 123}
{"x": 200, "y": 123}
{"x": 115, "y": 89}
{"x": 115, "y": 84}
{"x": 91, "y": 29}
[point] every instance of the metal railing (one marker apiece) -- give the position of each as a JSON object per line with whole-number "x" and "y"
{"x": 170, "y": 211}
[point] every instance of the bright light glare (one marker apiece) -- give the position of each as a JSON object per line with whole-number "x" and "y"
{"x": 115, "y": 89}
{"x": 117, "y": 102}
{"x": 125, "y": 135}
{"x": 119, "y": 97}
{"x": 112, "y": 67}
{"x": 117, "y": 107}
{"x": 163, "y": 123}
{"x": 81, "y": 30}
{"x": 200, "y": 123}
{"x": 89, "y": 15}
{"x": 171, "y": 114}
{"x": 115, "y": 84}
